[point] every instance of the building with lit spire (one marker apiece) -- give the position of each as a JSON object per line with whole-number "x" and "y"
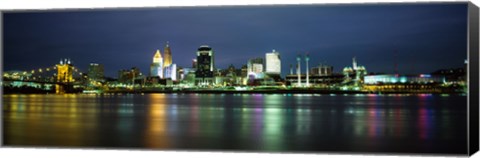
{"x": 170, "y": 68}
{"x": 167, "y": 52}
{"x": 156, "y": 68}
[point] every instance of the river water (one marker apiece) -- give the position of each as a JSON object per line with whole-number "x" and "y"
{"x": 422, "y": 123}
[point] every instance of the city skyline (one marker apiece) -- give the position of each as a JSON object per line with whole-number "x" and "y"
{"x": 121, "y": 39}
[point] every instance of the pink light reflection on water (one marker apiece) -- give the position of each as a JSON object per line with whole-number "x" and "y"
{"x": 194, "y": 114}
{"x": 424, "y": 123}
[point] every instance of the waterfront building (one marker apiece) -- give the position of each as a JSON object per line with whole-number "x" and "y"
{"x": 273, "y": 63}
{"x": 156, "y": 68}
{"x": 453, "y": 75}
{"x": 394, "y": 78}
{"x": 123, "y": 75}
{"x": 255, "y": 68}
{"x": 96, "y": 72}
{"x": 354, "y": 74}
{"x": 180, "y": 74}
{"x": 171, "y": 72}
{"x": 244, "y": 74}
{"x": 395, "y": 82}
{"x": 231, "y": 76}
{"x": 189, "y": 77}
{"x": 205, "y": 66}
{"x": 128, "y": 76}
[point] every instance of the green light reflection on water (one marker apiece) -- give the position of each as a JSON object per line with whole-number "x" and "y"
{"x": 272, "y": 132}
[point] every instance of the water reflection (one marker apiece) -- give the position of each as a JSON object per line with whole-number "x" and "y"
{"x": 266, "y": 122}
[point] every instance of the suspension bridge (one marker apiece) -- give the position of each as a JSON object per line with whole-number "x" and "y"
{"x": 63, "y": 77}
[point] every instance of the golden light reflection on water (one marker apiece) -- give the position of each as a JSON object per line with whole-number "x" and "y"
{"x": 156, "y": 134}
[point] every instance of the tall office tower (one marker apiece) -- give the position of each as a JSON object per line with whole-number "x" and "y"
{"x": 168, "y": 56}
{"x": 156, "y": 68}
{"x": 205, "y": 66}
{"x": 273, "y": 63}
{"x": 95, "y": 72}
{"x": 255, "y": 67}
{"x": 299, "y": 82}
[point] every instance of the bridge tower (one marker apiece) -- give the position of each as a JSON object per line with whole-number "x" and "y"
{"x": 64, "y": 75}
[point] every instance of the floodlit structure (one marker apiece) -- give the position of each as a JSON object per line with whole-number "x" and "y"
{"x": 64, "y": 74}
{"x": 410, "y": 83}
{"x": 355, "y": 74}
{"x": 273, "y": 63}
{"x": 156, "y": 68}
{"x": 255, "y": 68}
{"x": 171, "y": 72}
{"x": 64, "y": 71}
{"x": 401, "y": 79}
{"x": 168, "y": 56}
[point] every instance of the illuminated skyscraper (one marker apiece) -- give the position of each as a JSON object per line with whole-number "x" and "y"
{"x": 171, "y": 72}
{"x": 205, "y": 66}
{"x": 156, "y": 68}
{"x": 168, "y": 56}
{"x": 273, "y": 63}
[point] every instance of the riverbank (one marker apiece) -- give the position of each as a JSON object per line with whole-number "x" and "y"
{"x": 295, "y": 91}
{"x": 258, "y": 91}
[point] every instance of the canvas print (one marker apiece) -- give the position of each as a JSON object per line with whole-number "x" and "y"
{"x": 356, "y": 78}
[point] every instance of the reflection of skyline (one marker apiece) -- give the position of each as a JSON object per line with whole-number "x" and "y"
{"x": 264, "y": 122}
{"x": 429, "y": 36}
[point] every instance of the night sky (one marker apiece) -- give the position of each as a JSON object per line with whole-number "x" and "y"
{"x": 426, "y": 37}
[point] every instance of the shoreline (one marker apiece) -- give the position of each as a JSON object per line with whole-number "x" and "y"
{"x": 255, "y": 92}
